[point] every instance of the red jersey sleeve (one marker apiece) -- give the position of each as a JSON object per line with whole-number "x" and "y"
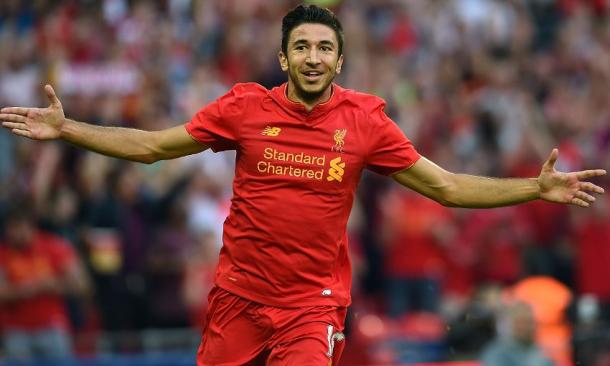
{"x": 390, "y": 151}
{"x": 217, "y": 124}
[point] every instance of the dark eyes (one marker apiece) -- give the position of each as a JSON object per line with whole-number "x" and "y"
{"x": 323, "y": 48}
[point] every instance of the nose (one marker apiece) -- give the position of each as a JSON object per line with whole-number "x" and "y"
{"x": 312, "y": 58}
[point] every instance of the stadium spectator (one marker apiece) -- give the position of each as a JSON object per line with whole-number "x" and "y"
{"x": 414, "y": 260}
{"x": 590, "y": 239}
{"x": 516, "y": 343}
{"x": 37, "y": 271}
{"x": 549, "y": 300}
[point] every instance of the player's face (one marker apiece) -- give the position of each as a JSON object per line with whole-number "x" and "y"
{"x": 312, "y": 61}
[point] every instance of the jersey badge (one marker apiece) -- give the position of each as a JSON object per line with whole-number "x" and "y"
{"x": 339, "y": 138}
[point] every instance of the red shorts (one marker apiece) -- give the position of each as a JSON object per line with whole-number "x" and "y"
{"x": 243, "y": 332}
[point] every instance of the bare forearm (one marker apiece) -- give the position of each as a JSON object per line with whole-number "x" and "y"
{"x": 462, "y": 190}
{"x": 481, "y": 192}
{"x": 118, "y": 142}
{"x": 125, "y": 143}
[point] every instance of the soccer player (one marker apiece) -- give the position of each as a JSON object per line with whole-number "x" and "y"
{"x": 283, "y": 280}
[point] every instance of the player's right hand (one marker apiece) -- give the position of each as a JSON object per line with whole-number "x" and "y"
{"x": 36, "y": 123}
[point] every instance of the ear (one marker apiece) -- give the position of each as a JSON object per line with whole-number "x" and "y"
{"x": 339, "y": 64}
{"x": 283, "y": 60}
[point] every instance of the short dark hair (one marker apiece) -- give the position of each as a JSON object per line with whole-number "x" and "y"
{"x": 310, "y": 14}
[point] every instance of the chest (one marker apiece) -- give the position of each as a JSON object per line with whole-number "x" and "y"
{"x": 326, "y": 153}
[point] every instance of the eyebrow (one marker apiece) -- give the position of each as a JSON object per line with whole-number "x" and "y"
{"x": 323, "y": 42}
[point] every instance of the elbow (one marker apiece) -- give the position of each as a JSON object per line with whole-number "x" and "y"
{"x": 145, "y": 156}
{"x": 448, "y": 194}
{"x": 150, "y": 150}
{"x": 144, "y": 159}
{"x": 148, "y": 159}
{"x": 149, "y": 155}
{"x": 447, "y": 202}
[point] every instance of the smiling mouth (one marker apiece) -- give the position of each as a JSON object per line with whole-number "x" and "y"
{"x": 312, "y": 76}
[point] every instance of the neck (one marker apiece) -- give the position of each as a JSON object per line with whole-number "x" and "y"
{"x": 309, "y": 101}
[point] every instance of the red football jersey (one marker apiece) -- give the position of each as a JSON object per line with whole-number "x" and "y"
{"x": 47, "y": 256}
{"x": 284, "y": 241}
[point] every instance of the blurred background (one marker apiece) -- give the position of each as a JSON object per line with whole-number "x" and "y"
{"x": 119, "y": 257}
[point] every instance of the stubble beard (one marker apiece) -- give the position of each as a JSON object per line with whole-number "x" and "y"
{"x": 309, "y": 96}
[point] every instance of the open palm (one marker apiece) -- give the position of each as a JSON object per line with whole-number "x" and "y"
{"x": 36, "y": 123}
{"x": 570, "y": 187}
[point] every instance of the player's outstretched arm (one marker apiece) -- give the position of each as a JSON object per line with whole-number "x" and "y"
{"x": 143, "y": 146}
{"x": 462, "y": 190}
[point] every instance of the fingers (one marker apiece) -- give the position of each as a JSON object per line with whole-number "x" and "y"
{"x": 550, "y": 162}
{"x": 590, "y": 173}
{"x": 51, "y": 95}
{"x": 20, "y": 129}
{"x": 12, "y": 118}
{"x": 20, "y": 132}
{"x": 579, "y": 202}
{"x": 16, "y": 110}
{"x": 14, "y": 122}
{"x": 584, "y": 196}
{"x": 588, "y": 186}
{"x": 15, "y": 125}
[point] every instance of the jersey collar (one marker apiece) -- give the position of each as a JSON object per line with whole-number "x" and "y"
{"x": 279, "y": 95}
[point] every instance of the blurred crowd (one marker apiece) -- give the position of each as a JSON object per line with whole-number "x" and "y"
{"x": 485, "y": 87}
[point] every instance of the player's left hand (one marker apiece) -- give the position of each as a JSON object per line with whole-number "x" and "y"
{"x": 570, "y": 188}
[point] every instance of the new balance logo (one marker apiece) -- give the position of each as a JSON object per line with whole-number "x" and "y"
{"x": 271, "y": 131}
{"x": 336, "y": 171}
